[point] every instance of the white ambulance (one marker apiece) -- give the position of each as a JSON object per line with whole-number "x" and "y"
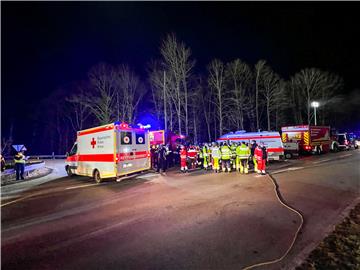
{"x": 271, "y": 140}
{"x": 109, "y": 151}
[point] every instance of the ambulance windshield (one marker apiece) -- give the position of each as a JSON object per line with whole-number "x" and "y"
{"x": 73, "y": 150}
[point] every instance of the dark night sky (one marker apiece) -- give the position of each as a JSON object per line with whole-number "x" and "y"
{"x": 46, "y": 45}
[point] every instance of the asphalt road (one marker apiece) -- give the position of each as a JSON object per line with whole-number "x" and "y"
{"x": 199, "y": 220}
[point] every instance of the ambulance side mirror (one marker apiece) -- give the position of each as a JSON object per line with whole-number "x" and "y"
{"x": 67, "y": 154}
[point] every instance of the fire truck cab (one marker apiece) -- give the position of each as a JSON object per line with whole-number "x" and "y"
{"x": 109, "y": 151}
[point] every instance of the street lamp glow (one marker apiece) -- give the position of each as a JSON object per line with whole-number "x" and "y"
{"x": 315, "y": 104}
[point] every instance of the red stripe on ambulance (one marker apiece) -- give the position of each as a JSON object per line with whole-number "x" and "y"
{"x": 95, "y": 130}
{"x": 248, "y": 138}
{"x": 97, "y": 157}
{"x": 275, "y": 150}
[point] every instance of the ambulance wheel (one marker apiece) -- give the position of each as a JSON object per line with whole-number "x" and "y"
{"x": 288, "y": 155}
{"x": 97, "y": 177}
{"x": 68, "y": 171}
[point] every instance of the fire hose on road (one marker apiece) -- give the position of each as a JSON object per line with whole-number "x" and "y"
{"x": 281, "y": 200}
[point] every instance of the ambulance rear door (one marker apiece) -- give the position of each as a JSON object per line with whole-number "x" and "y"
{"x": 133, "y": 153}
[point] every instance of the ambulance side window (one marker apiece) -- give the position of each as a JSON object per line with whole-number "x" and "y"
{"x": 140, "y": 138}
{"x": 73, "y": 150}
{"x": 126, "y": 137}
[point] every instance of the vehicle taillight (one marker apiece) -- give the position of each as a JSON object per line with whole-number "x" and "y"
{"x": 307, "y": 147}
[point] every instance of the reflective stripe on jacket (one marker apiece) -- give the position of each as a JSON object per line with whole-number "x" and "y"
{"x": 225, "y": 152}
{"x": 19, "y": 158}
{"x": 243, "y": 151}
{"x": 215, "y": 153}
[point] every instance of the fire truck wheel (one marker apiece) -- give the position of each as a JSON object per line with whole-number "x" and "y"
{"x": 68, "y": 171}
{"x": 318, "y": 150}
{"x": 97, "y": 177}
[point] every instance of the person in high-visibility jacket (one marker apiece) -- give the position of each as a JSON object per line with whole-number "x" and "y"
{"x": 209, "y": 156}
{"x": 183, "y": 157}
{"x": 205, "y": 154}
{"x": 233, "y": 154}
{"x": 19, "y": 160}
{"x": 216, "y": 155}
{"x": 252, "y": 157}
{"x": 242, "y": 157}
{"x": 225, "y": 157}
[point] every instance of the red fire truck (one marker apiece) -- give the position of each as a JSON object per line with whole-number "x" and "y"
{"x": 109, "y": 151}
{"x": 161, "y": 137}
{"x": 311, "y": 139}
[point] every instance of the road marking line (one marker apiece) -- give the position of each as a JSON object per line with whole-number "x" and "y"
{"x": 147, "y": 175}
{"x": 345, "y": 155}
{"x": 81, "y": 186}
{"x": 288, "y": 169}
{"x": 17, "y": 200}
{"x": 316, "y": 162}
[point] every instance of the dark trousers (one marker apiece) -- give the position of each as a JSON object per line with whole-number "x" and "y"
{"x": 19, "y": 168}
{"x": 161, "y": 165}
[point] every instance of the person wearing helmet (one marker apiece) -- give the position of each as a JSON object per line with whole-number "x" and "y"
{"x": 205, "y": 155}
{"x": 216, "y": 155}
{"x": 183, "y": 157}
{"x": 233, "y": 154}
{"x": 242, "y": 157}
{"x": 225, "y": 157}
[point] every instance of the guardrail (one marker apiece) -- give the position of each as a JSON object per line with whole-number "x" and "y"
{"x": 28, "y": 168}
{"x": 40, "y": 157}
{"x": 47, "y": 157}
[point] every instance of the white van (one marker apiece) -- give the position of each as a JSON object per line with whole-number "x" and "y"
{"x": 271, "y": 140}
{"x": 109, "y": 151}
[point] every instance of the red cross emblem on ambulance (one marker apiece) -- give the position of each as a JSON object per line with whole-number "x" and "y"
{"x": 93, "y": 143}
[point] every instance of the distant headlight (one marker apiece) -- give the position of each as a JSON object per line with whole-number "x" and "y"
{"x": 357, "y": 143}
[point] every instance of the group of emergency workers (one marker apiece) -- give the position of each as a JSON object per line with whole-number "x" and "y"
{"x": 219, "y": 157}
{"x": 224, "y": 157}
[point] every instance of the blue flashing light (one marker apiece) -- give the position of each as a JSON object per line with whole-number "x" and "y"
{"x": 144, "y": 126}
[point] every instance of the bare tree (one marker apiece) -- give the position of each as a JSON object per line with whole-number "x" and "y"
{"x": 169, "y": 51}
{"x": 272, "y": 92}
{"x": 216, "y": 81}
{"x": 129, "y": 91}
{"x": 102, "y": 101}
{"x": 186, "y": 66}
{"x": 78, "y": 112}
{"x": 239, "y": 77}
{"x": 328, "y": 98}
{"x": 314, "y": 84}
{"x": 178, "y": 66}
{"x": 207, "y": 105}
{"x": 7, "y": 141}
{"x": 258, "y": 75}
{"x": 160, "y": 98}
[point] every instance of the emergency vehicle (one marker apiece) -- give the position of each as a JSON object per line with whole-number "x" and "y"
{"x": 109, "y": 151}
{"x": 157, "y": 137}
{"x": 311, "y": 139}
{"x": 271, "y": 140}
